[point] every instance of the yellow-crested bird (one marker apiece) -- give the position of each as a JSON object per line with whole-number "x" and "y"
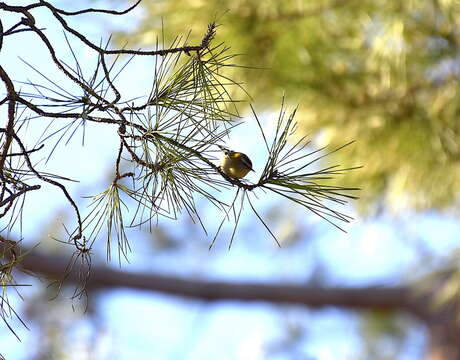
{"x": 235, "y": 164}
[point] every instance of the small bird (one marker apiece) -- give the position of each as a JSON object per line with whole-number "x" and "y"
{"x": 235, "y": 164}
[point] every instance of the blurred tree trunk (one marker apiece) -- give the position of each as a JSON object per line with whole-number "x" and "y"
{"x": 441, "y": 322}
{"x": 444, "y": 331}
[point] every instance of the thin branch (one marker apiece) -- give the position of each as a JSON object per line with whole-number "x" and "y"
{"x": 12, "y": 197}
{"x": 27, "y": 152}
{"x": 185, "y": 49}
{"x": 10, "y": 122}
{"x": 59, "y": 185}
{"x": 92, "y": 10}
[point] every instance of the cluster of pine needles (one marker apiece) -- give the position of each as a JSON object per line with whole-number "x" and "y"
{"x": 167, "y": 139}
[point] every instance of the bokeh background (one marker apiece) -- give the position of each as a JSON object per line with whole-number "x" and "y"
{"x": 383, "y": 73}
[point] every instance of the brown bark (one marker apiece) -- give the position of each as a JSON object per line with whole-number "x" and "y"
{"x": 444, "y": 330}
{"x": 396, "y": 298}
{"x": 442, "y": 324}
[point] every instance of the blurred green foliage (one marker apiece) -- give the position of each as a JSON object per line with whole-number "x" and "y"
{"x": 384, "y": 334}
{"x": 383, "y": 72}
